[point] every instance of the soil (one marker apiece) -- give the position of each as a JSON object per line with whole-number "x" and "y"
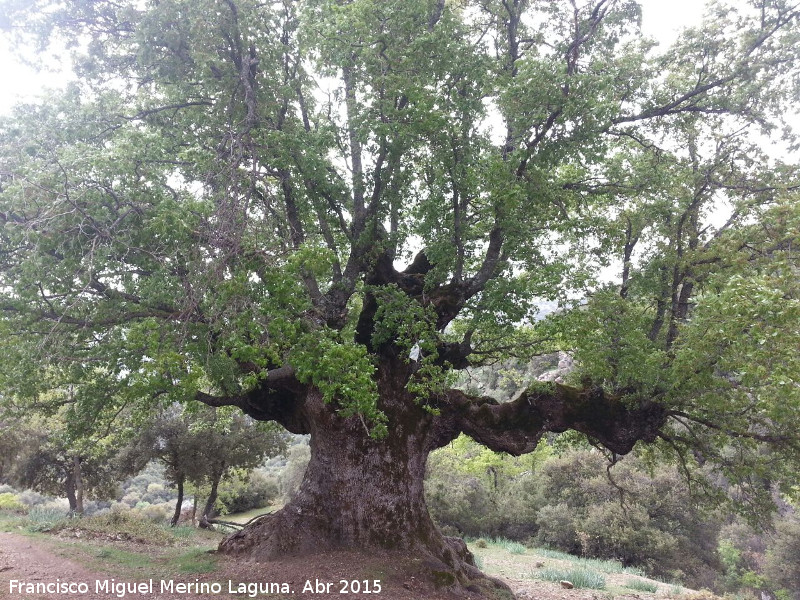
{"x": 41, "y": 560}
{"x": 30, "y": 560}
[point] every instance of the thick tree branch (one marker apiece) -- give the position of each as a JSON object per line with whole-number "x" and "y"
{"x": 516, "y": 427}
{"x": 280, "y": 398}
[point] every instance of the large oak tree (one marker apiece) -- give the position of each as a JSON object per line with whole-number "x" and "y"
{"x": 317, "y": 211}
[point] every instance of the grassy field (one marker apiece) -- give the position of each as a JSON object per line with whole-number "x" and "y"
{"x": 529, "y": 567}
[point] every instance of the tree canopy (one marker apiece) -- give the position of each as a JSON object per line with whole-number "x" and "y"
{"x": 318, "y": 210}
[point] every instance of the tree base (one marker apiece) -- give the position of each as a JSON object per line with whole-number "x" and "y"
{"x": 438, "y": 565}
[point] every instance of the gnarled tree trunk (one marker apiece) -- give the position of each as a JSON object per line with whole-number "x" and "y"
{"x": 361, "y": 493}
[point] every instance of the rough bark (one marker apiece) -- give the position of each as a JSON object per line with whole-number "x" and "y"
{"x": 516, "y": 427}
{"x": 361, "y": 493}
{"x": 178, "y": 503}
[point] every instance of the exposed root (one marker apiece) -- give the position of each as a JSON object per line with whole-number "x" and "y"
{"x": 442, "y": 563}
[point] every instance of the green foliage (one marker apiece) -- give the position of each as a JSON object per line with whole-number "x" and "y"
{"x": 291, "y": 476}
{"x": 195, "y": 561}
{"x": 208, "y": 202}
{"x": 579, "y": 577}
{"x": 135, "y": 561}
{"x": 9, "y": 501}
{"x": 46, "y": 519}
{"x": 246, "y": 491}
{"x": 781, "y": 567}
{"x": 568, "y": 503}
{"x": 603, "y": 566}
{"x": 472, "y": 489}
{"x": 509, "y": 546}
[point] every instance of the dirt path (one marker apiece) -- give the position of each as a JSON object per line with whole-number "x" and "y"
{"x": 25, "y": 560}
{"x": 22, "y": 559}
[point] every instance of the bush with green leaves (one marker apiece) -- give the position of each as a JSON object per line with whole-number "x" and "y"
{"x": 9, "y": 501}
{"x": 641, "y": 515}
{"x": 291, "y": 476}
{"x": 248, "y": 491}
{"x": 557, "y": 527}
{"x": 46, "y": 517}
{"x": 477, "y": 492}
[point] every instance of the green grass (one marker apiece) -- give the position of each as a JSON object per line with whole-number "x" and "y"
{"x": 133, "y": 561}
{"x": 195, "y": 561}
{"x": 579, "y": 577}
{"x": 11, "y": 521}
{"x": 557, "y": 554}
{"x": 676, "y": 590}
{"x": 601, "y": 565}
{"x": 181, "y": 532}
{"x": 642, "y": 586}
{"x": 508, "y": 545}
{"x": 46, "y": 519}
{"x": 119, "y": 525}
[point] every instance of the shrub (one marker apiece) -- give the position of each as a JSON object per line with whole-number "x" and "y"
{"x": 156, "y": 493}
{"x": 292, "y": 475}
{"x": 461, "y": 503}
{"x": 256, "y": 491}
{"x": 156, "y": 512}
{"x": 131, "y": 499}
{"x": 9, "y": 501}
{"x": 557, "y": 528}
{"x": 46, "y": 518}
{"x": 30, "y": 498}
{"x": 119, "y": 525}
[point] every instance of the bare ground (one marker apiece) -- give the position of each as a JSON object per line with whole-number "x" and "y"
{"x": 46, "y": 560}
{"x": 35, "y": 560}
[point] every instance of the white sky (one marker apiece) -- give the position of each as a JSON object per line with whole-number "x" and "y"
{"x": 661, "y": 20}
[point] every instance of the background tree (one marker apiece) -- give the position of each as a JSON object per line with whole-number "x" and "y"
{"x": 51, "y": 461}
{"x": 275, "y": 206}
{"x": 202, "y": 447}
